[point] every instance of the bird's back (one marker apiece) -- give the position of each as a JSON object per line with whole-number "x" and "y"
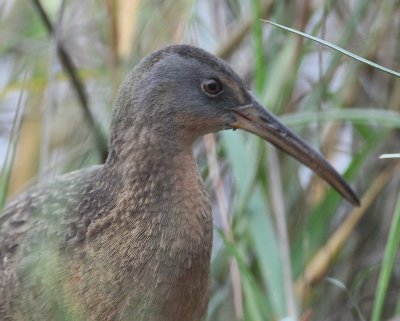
{"x": 32, "y": 232}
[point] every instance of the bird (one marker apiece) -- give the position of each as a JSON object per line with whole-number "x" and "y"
{"x": 131, "y": 239}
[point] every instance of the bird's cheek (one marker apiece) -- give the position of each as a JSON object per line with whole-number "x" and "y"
{"x": 201, "y": 124}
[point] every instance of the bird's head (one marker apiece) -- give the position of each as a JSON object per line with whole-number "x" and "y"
{"x": 182, "y": 92}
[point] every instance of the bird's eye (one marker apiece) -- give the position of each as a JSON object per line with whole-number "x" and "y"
{"x": 212, "y": 87}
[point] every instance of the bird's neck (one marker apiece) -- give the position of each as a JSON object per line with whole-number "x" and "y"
{"x": 160, "y": 178}
{"x": 162, "y": 223}
{"x": 145, "y": 153}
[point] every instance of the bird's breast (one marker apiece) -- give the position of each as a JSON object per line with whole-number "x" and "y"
{"x": 154, "y": 245}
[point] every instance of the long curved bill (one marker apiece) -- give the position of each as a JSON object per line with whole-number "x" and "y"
{"x": 255, "y": 119}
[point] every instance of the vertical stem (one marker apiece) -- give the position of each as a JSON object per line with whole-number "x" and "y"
{"x": 392, "y": 246}
{"x": 223, "y": 207}
{"x": 278, "y": 204}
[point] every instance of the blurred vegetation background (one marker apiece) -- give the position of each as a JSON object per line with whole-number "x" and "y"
{"x": 285, "y": 245}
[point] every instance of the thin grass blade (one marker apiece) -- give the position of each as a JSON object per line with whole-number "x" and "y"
{"x": 392, "y": 246}
{"x": 337, "y": 48}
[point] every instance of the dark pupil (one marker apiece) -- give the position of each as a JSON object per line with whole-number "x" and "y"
{"x": 212, "y": 86}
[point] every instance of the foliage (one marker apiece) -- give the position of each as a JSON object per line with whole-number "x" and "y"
{"x": 346, "y": 107}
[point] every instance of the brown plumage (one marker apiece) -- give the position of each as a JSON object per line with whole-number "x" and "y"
{"x": 131, "y": 239}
